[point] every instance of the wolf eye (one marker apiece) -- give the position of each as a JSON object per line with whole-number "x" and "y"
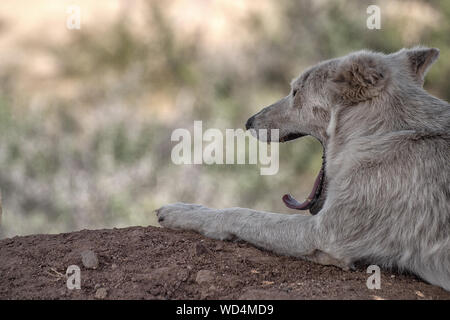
{"x": 294, "y": 92}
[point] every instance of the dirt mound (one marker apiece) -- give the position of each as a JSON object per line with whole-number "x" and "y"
{"x": 155, "y": 263}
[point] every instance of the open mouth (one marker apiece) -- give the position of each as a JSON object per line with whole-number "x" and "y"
{"x": 291, "y": 136}
{"x": 316, "y": 198}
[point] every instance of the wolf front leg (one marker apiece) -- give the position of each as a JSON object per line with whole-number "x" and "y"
{"x": 294, "y": 235}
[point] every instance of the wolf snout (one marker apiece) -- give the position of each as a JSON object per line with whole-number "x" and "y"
{"x": 249, "y": 123}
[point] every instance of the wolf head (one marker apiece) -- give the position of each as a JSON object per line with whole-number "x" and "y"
{"x": 362, "y": 85}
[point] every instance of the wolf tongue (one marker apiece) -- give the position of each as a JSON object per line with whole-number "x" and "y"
{"x": 290, "y": 201}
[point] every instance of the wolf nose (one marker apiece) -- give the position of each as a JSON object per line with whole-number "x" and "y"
{"x": 249, "y": 123}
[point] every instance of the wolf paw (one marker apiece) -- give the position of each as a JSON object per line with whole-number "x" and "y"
{"x": 193, "y": 217}
{"x": 172, "y": 215}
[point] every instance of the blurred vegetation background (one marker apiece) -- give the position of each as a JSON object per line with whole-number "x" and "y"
{"x": 86, "y": 115}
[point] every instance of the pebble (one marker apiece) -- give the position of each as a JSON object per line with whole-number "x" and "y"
{"x": 420, "y": 294}
{"x": 101, "y": 293}
{"x": 89, "y": 259}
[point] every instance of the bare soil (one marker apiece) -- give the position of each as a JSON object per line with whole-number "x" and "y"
{"x": 156, "y": 263}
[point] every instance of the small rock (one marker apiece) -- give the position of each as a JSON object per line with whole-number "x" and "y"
{"x": 205, "y": 276}
{"x": 89, "y": 259}
{"x": 114, "y": 266}
{"x": 101, "y": 293}
{"x": 420, "y": 294}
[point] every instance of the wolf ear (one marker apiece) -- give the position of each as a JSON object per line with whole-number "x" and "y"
{"x": 359, "y": 78}
{"x": 420, "y": 60}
